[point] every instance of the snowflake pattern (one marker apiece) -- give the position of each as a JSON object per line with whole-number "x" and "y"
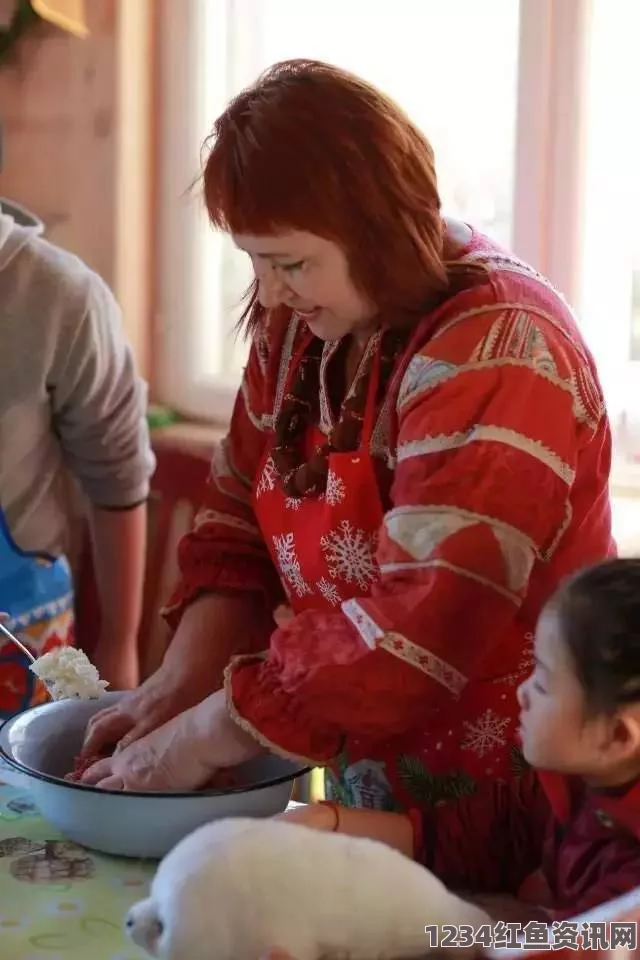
{"x": 293, "y": 503}
{"x": 485, "y": 734}
{"x": 525, "y": 665}
{"x": 348, "y": 552}
{"x": 335, "y": 490}
{"x": 268, "y": 479}
{"x": 329, "y": 591}
{"x": 289, "y": 563}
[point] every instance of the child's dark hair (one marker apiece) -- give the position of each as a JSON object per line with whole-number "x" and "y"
{"x": 598, "y": 611}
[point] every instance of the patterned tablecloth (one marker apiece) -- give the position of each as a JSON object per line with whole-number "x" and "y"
{"x": 59, "y": 901}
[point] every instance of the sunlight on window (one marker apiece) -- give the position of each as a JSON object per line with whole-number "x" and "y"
{"x": 451, "y": 65}
{"x": 610, "y": 300}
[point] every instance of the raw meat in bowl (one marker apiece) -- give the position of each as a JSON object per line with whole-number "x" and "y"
{"x": 38, "y": 750}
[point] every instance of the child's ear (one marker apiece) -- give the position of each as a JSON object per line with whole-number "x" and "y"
{"x": 625, "y": 739}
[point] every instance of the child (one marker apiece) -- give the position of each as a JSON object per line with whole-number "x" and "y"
{"x": 71, "y": 405}
{"x": 566, "y": 838}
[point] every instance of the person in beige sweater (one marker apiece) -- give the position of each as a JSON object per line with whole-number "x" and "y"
{"x": 72, "y": 405}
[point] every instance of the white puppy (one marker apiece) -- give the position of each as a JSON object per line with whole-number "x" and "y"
{"x": 237, "y": 887}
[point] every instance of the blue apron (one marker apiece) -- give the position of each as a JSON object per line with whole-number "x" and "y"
{"x": 36, "y": 590}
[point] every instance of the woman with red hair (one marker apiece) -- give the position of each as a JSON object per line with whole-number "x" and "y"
{"x": 418, "y": 454}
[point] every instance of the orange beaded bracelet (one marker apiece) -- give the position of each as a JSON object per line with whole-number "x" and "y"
{"x": 336, "y": 811}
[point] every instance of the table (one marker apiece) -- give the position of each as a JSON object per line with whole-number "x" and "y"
{"x": 62, "y": 902}
{"x": 57, "y": 900}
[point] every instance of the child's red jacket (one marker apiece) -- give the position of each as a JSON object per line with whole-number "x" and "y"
{"x": 545, "y": 838}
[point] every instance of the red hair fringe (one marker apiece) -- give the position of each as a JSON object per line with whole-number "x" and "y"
{"x": 311, "y": 147}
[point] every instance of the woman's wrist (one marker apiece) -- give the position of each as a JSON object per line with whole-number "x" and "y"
{"x": 200, "y": 649}
{"x": 214, "y": 628}
{"x": 214, "y": 728}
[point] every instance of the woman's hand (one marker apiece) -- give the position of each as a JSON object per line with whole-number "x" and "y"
{"x": 182, "y": 754}
{"x": 161, "y": 697}
{"x": 212, "y": 629}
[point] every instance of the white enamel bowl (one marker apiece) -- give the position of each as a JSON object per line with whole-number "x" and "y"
{"x": 38, "y": 747}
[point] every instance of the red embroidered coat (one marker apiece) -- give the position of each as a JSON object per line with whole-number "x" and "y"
{"x": 400, "y": 667}
{"x": 544, "y": 839}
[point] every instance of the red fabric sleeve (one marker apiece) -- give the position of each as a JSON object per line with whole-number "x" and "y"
{"x": 487, "y": 454}
{"x": 490, "y": 841}
{"x": 224, "y": 551}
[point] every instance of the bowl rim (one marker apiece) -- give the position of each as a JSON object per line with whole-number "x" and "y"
{"x": 160, "y": 794}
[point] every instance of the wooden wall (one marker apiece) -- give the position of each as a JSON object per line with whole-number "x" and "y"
{"x": 57, "y": 109}
{"x": 77, "y": 129}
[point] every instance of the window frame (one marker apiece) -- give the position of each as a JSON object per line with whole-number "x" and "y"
{"x": 549, "y": 175}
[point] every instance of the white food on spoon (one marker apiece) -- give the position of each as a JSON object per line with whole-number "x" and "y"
{"x": 68, "y": 673}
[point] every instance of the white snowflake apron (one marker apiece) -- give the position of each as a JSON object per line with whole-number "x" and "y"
{"x": 324, "y": 550}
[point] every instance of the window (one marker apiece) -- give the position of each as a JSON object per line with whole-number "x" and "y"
{"x": 530, "y": 106}
{"x": 609, "y": 293}
{"x": 385, "y": 43}
{"x": 224, "y": 45}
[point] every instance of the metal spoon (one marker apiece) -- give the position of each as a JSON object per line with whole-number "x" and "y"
{"x": 20, "y": 645}
{"x": 17, "y": 642}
